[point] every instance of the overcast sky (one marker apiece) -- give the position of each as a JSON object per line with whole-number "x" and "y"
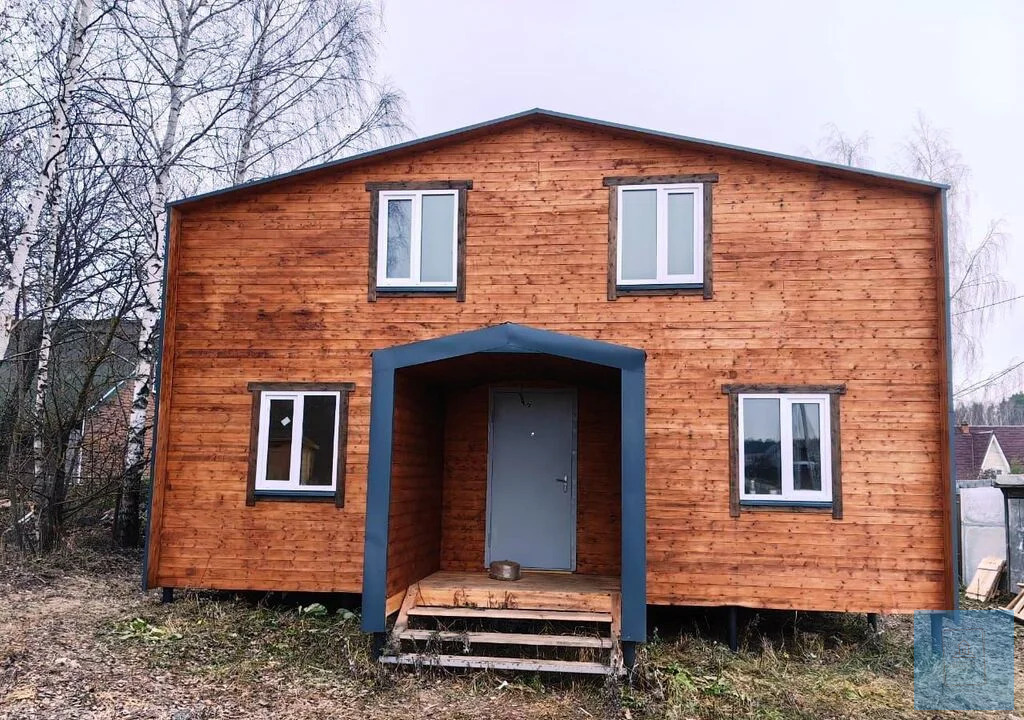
{"x": 765, "y": 75}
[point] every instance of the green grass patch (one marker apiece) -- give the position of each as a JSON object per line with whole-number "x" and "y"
{"x": 230, "y": 637}
{"x": 805, "y": 667}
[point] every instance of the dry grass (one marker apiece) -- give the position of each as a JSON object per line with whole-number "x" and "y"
{"x": 78, "y": 639}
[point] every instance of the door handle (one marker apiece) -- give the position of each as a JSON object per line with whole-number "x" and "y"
{"x": 565, "y": 482}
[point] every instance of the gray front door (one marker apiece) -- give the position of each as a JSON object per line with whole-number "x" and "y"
{"x": 531, "y": 488}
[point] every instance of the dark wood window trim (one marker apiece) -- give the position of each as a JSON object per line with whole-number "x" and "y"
{"x": 420, "y": 185}
{"x": 659, "y": 179}
{"x": 704, "y": 289}
{"x": 835, "y": 392}
{"x": 337, "y": 496}
{"x": 459, "y": 293}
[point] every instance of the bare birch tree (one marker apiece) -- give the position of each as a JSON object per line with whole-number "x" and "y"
{"x": 309, "y": 93}
{"x": 59, "y": 136}
{"x": 838, "y": 147}
{"x": 181, "y": 79}
{"x": 280, "y": 82}
{"x": 84, "y": 288}
{"x": 138, "y": 102}
{"x": 976, "y": 282}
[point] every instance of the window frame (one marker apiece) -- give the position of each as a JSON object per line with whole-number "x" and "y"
{"x": 835, "y": 392}
{"x": 377, "y": 265}
{"x": 789, "y": 494}
{"x": 702, "y": 211}
{"x": 662, "y": 275}
{"x": 415, "y": 241}
{"x": 258, "y": 487}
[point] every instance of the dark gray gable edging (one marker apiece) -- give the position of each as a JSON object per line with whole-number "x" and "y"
{"x": 510, "y": 338}
{"x": 540, "y": 113}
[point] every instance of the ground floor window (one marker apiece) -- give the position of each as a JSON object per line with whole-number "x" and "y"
{"x": 297, "y": 444}
{"x": 784, "y": 453}
{"x": 784, "y": 443}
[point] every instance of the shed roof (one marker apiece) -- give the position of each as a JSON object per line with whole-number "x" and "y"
{"x": 430, "y": 141}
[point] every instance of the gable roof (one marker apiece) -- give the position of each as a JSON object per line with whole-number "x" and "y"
{"x": 970, "y": 449}
{"x": 585, "y": 122}
{"x": 1010, "y": 438}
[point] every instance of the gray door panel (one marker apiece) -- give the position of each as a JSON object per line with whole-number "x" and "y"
{"x": 531, "y": 512}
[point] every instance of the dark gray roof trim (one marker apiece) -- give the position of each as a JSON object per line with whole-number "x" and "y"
{"x": 551, "y": 114}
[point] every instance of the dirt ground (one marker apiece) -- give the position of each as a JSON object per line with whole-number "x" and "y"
{"x": 73, "y": 645}
{"x": 78, "y": 639}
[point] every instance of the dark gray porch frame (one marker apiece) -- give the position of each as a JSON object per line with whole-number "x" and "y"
{"x": 511, "y": 338}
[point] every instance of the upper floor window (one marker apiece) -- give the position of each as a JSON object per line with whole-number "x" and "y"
{"x": 661, "y": 231}
{"x": 418, "y": 232}
{"x": 416, "y": 239}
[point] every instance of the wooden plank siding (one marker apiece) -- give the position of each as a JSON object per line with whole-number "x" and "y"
{"x": 465, "y": 480}
{"x": 819, "y": 279}
{"x": 414, "y": 522}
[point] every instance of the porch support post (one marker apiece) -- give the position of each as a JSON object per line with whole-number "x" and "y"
{"x": 377, "y": 645}
{"x": 936, "y": 620}
{"x": 378, "y": 497}
{"x": 734, "y": 643}
{"x": 634, "y": 506}
{"x": 629, "y": 654}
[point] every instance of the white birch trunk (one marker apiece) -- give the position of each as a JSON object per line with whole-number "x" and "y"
{"x": 39, "y": 403}
{"x": 128, "y": 512}
{"x": 60, "y": 133}
{"x": 255, "y": 89}
{"x": 247, "y": 135}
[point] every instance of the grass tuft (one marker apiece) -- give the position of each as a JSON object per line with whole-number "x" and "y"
{"x": 225, "y": 637}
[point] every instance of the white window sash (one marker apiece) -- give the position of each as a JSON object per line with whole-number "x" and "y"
{"x": 789, "y": 493}
{"x": 663, "y": 277}
{"x": 295, "y": 459}
{"x": 415, "y": 239}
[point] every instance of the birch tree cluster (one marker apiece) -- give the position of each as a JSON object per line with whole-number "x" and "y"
{"x": 108, "y": 110}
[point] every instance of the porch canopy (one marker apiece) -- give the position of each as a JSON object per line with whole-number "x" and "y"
{"x": 503, "y": 341}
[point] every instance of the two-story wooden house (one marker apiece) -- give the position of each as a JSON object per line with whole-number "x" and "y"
{"x": 651, "y": 369}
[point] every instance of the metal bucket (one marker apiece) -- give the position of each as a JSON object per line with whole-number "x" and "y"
{"x": 505, "y": 570}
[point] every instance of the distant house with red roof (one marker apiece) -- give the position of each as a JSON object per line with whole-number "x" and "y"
{"x": 983, "y": 451}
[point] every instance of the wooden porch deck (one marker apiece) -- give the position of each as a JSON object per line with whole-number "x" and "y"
{"x": 534, "y": 591}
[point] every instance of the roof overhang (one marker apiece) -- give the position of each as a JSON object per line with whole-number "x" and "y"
{"x": 431, "y": 141}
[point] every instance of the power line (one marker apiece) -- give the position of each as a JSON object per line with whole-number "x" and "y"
{"x": 989, "y": 380}
{"x": 982, "y": 307}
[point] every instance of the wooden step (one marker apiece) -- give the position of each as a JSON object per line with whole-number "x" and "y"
{"x": 498, "y": 663}
{"x": 509, "y": 614}
{"x": 500, "y": 638}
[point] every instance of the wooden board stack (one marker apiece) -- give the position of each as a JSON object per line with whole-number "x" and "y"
{"x": 986, "y": 579}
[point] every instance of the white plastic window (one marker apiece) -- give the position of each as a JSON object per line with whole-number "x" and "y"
{"x": 660, "y": 235}
{"x": 417, "y": 238}
{"x": 785, "y": 448}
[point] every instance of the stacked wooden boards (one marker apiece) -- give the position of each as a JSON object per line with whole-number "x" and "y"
{"x": 1016, "y": 606}
{"x": 985, "y": 582}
